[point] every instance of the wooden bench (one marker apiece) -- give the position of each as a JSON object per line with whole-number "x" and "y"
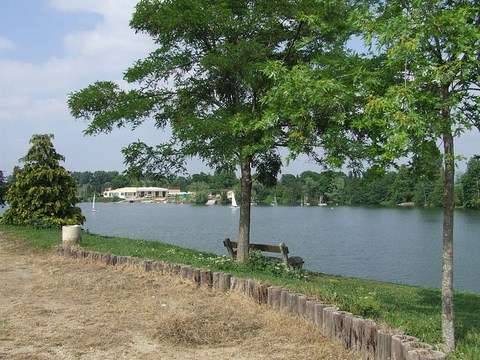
{"x": 292, "y": 262}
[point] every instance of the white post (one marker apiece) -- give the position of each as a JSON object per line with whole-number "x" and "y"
{"x": 71, "y": 234}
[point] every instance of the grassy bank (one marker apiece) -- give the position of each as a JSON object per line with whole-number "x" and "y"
{"x": 416, "y": 310}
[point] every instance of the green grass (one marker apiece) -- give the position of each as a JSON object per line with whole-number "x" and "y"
{"x": 415, "y": 310}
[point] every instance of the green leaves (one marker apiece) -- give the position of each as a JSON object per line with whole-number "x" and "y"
{"x": 43, "y": 192}
{"x": 106, "y": 106}
{"x": 206, "y": 78}
{"x": 161, "y": 161}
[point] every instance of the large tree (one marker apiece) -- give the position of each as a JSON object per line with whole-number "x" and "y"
{"x": 206, "y": 81}
{"x": 43, "y": 192}
{"x": 419, "y": 87}
{"x": 433, "y": 47}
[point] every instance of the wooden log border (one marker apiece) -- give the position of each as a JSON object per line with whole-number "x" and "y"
{"x": 361, "y": 335}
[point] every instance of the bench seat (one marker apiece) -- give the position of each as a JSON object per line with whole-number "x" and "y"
{"x": 292, "y": 262}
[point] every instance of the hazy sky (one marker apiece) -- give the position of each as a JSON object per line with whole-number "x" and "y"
{"x": 50, "y": 48}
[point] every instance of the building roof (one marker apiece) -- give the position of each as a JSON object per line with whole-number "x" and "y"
{"x": 137, "y": 189}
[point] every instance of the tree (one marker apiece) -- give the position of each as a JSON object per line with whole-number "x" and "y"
{"x": 3, "y": 189}
{"x": 471, "y": 183}
{"x": 289, "y": 190}
{"x": 402, "y": 189}
{"x": 43, "y": 192}
{"x": 432, "y": 49}
{"x": 206, "y": 81}
{"x": 223, "y": 180}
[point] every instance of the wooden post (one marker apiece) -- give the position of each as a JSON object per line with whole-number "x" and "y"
{"x": 65, "y": 251}
{"x": 206, "y": 278}
{"x": 148, "y": 265}
{"x": 141, "y": 263}
{"x": 370, "y": 338}
{"x": 121, "y": 260}
{"x": 327, "y": 327}
{"x": 261, "y": 291}
{"x": 384, "y": 343}
{"x": 250, "y": 288}
{"x": 358, "y": 326}
{"x": 422, "y": 354}
{"x": 284, "y": 300}
{"x": 167, "y": 269}
{"x": 158, "y": 266}
{"x": 292, "y": 303}
{"x": 176, "y": 269}
{"x": 302, "y": 305}
{"x": 348, "y": 326}
{"x": 224, "y": 282}
{"x": 113, "y": 260}
{"x": 195, "y": 275}
{"x": 397, "y": 349}
{"x": 237, "y": 285}
{"x": 338, "y": 324}
{"x": 274, "y": 294}
{"x": 318, "y": 309}
{"x": 184, "y": 272}
{"x": 413, "y": 345}
{"x": 310, "y": 310}
{"x": 106, "y": 258}
{"x": 216, "y": 280}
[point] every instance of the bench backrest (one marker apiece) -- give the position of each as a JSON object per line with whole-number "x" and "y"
{"x": 280, "y": 248}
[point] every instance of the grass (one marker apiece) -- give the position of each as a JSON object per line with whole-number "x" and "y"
{"x": 415, "y": 310}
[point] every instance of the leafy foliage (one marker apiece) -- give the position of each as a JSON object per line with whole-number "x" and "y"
{"x": 206, "y": 81}
{"x": 430, "y": 51}
{"x": 260, "y": 264}
{"x": 3, "y": 189}
{"x": 470, "y": 182}
{"x": 43, "y": 193}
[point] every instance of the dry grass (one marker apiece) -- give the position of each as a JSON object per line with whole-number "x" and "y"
{"x": 57, "y": 308}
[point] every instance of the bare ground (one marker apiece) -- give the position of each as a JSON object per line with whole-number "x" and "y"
{"x": 57, "y": 308}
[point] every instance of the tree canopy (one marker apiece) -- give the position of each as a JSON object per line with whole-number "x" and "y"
{"x": 43, "y": 193}
{"x": 206, "y": 80}
{"x": 418, "y": 88}
{"x": 432, "y": 48}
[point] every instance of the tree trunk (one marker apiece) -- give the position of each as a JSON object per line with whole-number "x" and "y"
{"x": 448, "y": 325}
{"x": 245, "y": 198}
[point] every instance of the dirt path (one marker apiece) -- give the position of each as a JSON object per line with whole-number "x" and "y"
{"x": 57, "y": 308}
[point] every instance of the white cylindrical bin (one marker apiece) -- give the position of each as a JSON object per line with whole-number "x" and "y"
{"x": 71, "y": 234}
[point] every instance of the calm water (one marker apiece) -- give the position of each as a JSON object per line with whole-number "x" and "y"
{"x": 402, "y": 245}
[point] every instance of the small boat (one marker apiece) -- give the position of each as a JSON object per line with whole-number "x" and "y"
{"x": 234, "y": 202}
{"x": 93, "y": 203}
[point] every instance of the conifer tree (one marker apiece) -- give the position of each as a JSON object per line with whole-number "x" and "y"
{"x": 43, "y": 193}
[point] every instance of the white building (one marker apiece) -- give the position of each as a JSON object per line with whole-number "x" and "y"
{"x": 131, "y": 193}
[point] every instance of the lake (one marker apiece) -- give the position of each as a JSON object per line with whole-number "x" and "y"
{"x": 400, "y": 245}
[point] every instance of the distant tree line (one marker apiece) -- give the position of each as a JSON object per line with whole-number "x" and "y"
{"x": 372, "y": 187}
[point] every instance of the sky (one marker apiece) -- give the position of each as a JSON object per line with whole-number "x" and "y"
{"x": 51, "y": 48}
